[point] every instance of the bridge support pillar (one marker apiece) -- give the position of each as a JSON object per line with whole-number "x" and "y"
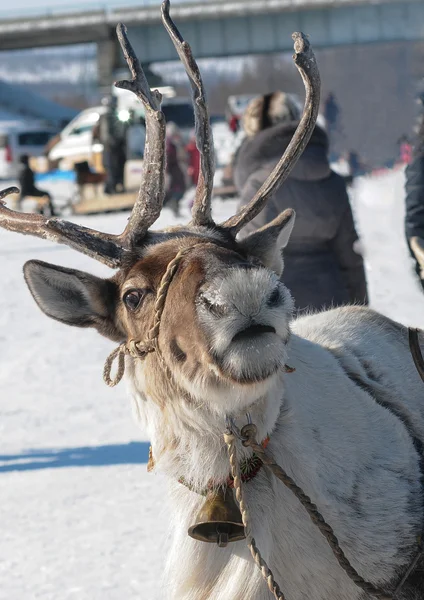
{"x": 111, "y": 66}
{"x": 107, "y": 63}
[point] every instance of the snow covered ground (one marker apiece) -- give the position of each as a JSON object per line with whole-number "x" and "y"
{"x": 378, "y": 205}
{"x": 81, "y": 519}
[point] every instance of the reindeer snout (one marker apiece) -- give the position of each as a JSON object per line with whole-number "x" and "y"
{"x": 246, "y": 292}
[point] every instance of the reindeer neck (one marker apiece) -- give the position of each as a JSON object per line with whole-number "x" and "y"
{"x": 187, "y": 436}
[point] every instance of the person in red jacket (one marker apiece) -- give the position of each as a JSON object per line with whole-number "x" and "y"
{"x": 175, "y": 184}
{"x": 193, "y": 154}
{"x": 405, "y": 150}
{"x": 234, "y": 124}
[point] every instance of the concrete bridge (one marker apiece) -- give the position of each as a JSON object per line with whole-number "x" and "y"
{"x": 219, "y": 28}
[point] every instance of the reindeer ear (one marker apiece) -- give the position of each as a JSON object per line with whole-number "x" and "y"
{"x": 73, "y": 297}
{"x": 267, "y": 242}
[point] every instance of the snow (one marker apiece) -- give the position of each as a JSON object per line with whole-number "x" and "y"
{"x": 225, "y": 143}
{"x": 81, "y": 517}
{"x": 378, "y": 204}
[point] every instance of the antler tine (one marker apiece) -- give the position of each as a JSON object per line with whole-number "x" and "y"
{"x": 202, "y": 204}
{"x": 305, "y": 62}
{"x": 7, "y": 192}
{"x": 149, "y": 203}
{"x": 100, "y": 246}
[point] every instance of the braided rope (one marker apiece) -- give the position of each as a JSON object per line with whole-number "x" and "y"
{"x": 162, "y": 292}
{"x": 142, "y": 349}
{"x": 257, "y": 557}
{"x": 248, "y": 434}
{"x": 130, "y": 348}
{"x": 118, "y": 353}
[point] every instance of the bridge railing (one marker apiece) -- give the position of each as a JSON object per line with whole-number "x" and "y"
{"x": 55, "y": 8}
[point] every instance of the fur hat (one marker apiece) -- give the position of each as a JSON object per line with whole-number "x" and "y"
{"x": 268, "y": 110}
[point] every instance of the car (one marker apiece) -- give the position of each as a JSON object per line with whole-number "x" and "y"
{"x": 18, "y": 138}
{"x": 177, "y": 109}
{"x": 75, "y": 142}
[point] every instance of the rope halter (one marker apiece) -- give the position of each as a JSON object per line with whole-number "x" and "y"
{"x": 140, "y": 349}
{"x": 132, "y": 348}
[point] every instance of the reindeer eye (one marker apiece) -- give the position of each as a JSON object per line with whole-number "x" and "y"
{"x": 133, "y": 298}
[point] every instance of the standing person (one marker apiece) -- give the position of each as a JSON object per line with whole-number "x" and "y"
{"x": 111, "y": 133}
{"x": 234, "y": 124}
{"x": 174, "y": 175}
{"x": 414, "y": 201}
{"x": 355, "y": 166}
{"x": 322, "y": 268}
{"x": 193, "y": 154}
{"x": 28, "y": 188}
{"x": 331, "y": 113}
{"x": 332, "y": 117}
{"x": 405, "y": 150}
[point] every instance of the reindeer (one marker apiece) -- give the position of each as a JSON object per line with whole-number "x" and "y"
{"x": 206, "y": 330}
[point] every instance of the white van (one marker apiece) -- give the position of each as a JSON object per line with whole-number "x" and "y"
{"x": 18, "y": 138}
{"x": 76, "y": 143}
{"x": 177, "y": 109}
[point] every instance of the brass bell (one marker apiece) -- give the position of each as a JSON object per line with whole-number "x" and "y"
{"x": 219, "y": 519}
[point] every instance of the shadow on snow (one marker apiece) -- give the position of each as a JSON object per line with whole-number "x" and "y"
{"x": 88, "y": 456}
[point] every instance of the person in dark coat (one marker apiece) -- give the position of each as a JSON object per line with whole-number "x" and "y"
{"x": 322, "y": 268}
{"x": 414, "y": 201}
{"x": 332, "y": 118}
{"x": 111, "y": 133}
{"x": 28, "y": 188}
{"x": 331, "y": 112}
{"x": 355, "y": 165}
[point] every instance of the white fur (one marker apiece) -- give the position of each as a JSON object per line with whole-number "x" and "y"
{"x": 242, "y": 297}
{"x": 353, "y": 457}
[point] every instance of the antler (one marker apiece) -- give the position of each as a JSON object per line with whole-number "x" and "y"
{"x": 202, "y": 204}
{"x": 152, "y": 189}
{"x": 106, "y": 248}
{"x": 305, "y": 62}
{"x": 111, "y": 249}
{"x": 100, "y": 246}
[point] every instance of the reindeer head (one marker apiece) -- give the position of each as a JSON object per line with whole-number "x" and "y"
{"x": 211, "y": 306}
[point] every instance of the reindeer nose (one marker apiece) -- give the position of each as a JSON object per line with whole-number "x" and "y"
{"x": 275, "y": 298}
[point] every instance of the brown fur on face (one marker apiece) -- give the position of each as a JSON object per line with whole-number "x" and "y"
{"x": 146, "y": 274}
{"x": 182, "y": 343}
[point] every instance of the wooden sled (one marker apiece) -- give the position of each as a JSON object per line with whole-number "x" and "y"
{"x": 103, "y": 203}
{"x": 91, "y": 198}
{"x": 30, "y": 204}
{"x": 41, "y": 202}
{"x": 225, "y": 191}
